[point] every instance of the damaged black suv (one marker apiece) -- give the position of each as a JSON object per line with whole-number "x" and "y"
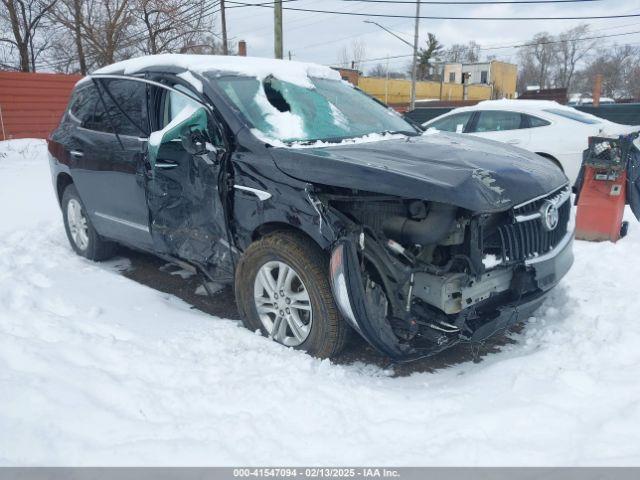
{"x": 327, "y": 210}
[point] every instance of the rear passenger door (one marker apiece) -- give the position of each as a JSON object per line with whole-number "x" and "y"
{"x": 109, "y": 147}
{"x": 502, "y": 126}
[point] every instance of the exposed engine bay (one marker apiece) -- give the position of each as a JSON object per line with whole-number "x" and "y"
{"x": 434, "y": 274}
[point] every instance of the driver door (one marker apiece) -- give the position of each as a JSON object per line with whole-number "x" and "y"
{"x": 184, "y": 188}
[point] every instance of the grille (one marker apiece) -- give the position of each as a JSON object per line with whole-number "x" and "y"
{"x": 524, "y": 237}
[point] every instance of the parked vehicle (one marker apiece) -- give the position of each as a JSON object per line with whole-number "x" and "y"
{"x": 578, "y": 99}
{"x": 556, "y": 132}
{"x": 327, "y": 210}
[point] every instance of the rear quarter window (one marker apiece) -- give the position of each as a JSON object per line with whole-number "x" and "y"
{"x": 82, "y": 103}
{"x": 572, "y": 114}
{"x": 533, "y": 122}
{"x": 125, "y": 101}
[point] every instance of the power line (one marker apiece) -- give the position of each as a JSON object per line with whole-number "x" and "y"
{"x": 560, "y": 41}
{"x": 470, "y": 2}
{"x": 379, "y": 59}
{"x": 437, "y": 2}
{"x": 334, "y": 12}
{"x": 295, "y": 21}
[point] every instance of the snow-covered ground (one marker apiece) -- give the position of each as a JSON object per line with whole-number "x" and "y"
{"x": 96, "y": 369}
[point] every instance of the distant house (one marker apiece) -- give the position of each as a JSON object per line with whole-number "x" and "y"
{"x": 501, "y": 76}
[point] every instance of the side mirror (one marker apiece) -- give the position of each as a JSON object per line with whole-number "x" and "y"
{"x": 194, "y": 141}
{"x": 189, "y": 127}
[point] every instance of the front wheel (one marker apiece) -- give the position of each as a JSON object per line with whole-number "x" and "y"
{"x": 282, "y": 289}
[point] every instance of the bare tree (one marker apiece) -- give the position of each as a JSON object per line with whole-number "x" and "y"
{"x": 460, "y": 53}
{"x": 173, "y": 25}
{"x": 619, "y": 66}
{"x": 24, "y": 18}
{"x": 536, "y": 60}
{"x": 107, "y": 30}
{"x": 358, "y": 51}
{"x": 343, "y": 57}
{"x": 571, "y": 49}
{"x": 69, "y": 14}
{"x": 378, "y": 71}
{"x": 352, "y": 57}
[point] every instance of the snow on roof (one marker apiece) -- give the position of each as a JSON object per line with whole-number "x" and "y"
{"x": 286, "y": 70}
{"x": 519, "y": 104}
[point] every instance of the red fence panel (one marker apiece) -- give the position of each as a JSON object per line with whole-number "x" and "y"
{"x": 31, "y": 103}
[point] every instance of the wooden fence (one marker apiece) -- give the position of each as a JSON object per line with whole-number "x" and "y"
{"x": 31, "y": 104}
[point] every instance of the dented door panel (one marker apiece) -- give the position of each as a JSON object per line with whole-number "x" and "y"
{"x": 184, "y": 199}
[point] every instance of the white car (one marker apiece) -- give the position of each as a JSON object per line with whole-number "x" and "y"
{"x": 547, "y": 128}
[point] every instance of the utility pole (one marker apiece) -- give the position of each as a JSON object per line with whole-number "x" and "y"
{"x": 225, "y": 46}
{"x": 277, "y": 33}
{"x": 414, "y": 66}
{"x": 386, "y": 83}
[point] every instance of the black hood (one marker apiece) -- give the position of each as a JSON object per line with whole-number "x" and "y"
{"x": 476, "y": 174}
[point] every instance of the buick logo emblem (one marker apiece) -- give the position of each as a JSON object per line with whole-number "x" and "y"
{"x": 549, "y": 216}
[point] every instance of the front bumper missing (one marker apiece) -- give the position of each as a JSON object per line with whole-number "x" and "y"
{"x": 355, "y": 305}
{"x": 359, "y": 310}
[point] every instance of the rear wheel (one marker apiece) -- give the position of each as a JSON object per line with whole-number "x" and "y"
{"x": 282, "y": 289}
{"x": 83, "y": 238}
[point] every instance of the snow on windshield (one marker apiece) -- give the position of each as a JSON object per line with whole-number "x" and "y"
{"x": 329, "y": 111}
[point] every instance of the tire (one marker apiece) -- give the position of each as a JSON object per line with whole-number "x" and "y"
{"x": 87, "y": 244}
{"x": 328, "y": 332}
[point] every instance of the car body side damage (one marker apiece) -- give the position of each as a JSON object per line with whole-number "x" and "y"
{"x": 425, "y": 240}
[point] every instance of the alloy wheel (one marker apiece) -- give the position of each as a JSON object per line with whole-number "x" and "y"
{"x": 283, "y": 303}
{"x": 78, "y": 226}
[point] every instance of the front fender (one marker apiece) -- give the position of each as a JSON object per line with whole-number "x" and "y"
{"x": 355, "y": 304}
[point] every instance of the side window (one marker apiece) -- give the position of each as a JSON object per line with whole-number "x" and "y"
{"x": 535, "y": 121}
{"x": 97, "y": 118}
{"x": 174, "y": 103}
{"x": 453, "y": 123}
{"x": 126, "y": 100}
{"x": 497, "y": 121}
{"x": 82, "y": 104}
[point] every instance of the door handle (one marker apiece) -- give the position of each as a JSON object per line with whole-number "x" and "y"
{"x": 514, "y": 141}
{"x": 76, "y": 153}
{"x": 165, "y": 165}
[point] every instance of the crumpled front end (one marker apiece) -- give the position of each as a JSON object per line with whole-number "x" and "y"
{"x": 414, "y": 278}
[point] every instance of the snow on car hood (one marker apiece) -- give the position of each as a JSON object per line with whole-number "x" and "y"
{"x": 473, "y": 173}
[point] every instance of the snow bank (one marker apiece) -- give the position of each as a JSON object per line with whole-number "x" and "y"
{"x": 98, "y": 370}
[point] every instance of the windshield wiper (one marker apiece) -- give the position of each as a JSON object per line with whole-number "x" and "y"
{"x": 409, "y": 133}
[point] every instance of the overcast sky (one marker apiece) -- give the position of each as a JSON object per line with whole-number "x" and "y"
{"x": 319, "y": 37}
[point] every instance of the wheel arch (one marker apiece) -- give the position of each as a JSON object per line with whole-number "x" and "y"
{"x": 63, "y": 180}
{"x": 267, "y": 228}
